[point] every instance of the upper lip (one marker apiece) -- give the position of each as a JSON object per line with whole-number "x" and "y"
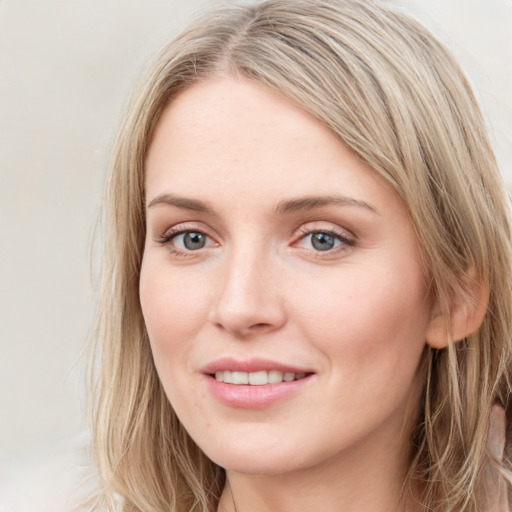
{"x": 251, "y": 365}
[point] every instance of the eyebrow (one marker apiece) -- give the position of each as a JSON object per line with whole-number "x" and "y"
{"x": 310, "y": 203}
{"x": 283, "y": 207}
{"x": 180, "y": 202}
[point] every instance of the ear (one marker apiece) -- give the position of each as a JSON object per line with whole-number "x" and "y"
{"x": 468, "y": 307}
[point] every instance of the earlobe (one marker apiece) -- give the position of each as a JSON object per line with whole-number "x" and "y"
{"x": 468, "y": 308}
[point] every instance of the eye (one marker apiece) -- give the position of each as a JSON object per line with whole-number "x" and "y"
{"x": 190, "y": 240}
{"x": 182, "y": 242}
{"x": 324, "y": 240}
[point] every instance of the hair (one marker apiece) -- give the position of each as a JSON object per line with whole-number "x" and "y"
{"x": 395, "y": 97}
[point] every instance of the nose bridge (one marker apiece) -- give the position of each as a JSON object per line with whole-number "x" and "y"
{"x": 248, "y": 298}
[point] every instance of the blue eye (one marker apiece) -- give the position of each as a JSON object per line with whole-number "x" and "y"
{"x": 323, "y": 241}
{"x": 190, "y": 240}
{"x": 183, "y": 242}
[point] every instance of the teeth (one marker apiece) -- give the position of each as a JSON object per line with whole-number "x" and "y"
{"x": 239, "y": 378}
{"x": 257, "y": 378}
{"x": 275, "y": 377}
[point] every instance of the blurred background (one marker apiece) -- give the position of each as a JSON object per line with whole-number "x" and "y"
{"x": 66, "y": 68}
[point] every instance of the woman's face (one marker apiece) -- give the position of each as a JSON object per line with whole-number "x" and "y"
{"x": 274, "y": 256}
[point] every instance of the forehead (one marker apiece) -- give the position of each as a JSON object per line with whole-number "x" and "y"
{"x": 239, "y": 117}
{"x": 225, "y": 138}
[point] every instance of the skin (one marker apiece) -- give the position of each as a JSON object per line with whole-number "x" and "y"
{"x": 356, "y": 315}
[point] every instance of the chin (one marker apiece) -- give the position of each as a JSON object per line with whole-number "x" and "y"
{"x": 261, "y": 466}
{"x": 256, "y": 458}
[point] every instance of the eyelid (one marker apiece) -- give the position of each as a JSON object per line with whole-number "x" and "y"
{"x": 181, "y": 227}
{"x": 347, "y": 238}
{"x": 165, "y": 239}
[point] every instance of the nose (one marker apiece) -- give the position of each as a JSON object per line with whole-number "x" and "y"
{"x": 248, "y": 299}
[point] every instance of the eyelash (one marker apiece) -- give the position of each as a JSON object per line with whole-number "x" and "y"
{"x": 174, "y": 232}
{"x": 346, "y": 242}
{"x": 304, "y": 232}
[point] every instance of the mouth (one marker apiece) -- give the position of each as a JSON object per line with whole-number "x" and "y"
{"x": 258, "y": 378}
{"x": 255, "y": 383}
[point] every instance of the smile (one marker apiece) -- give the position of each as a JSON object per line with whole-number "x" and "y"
{"x": 259, "y": 378}
{"x": 255, "y": 383}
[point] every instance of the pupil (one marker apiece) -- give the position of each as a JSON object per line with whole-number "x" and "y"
{"x": 193, "y": 241}
{"x": 322, "y": 241}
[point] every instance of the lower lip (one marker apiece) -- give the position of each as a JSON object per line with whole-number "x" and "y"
{"x": 254, "y": 397}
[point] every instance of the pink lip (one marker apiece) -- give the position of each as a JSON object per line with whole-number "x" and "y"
{"x": 253, "y": 397}
{"x": 250, "y": 365}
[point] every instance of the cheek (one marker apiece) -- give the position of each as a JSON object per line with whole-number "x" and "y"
{"x": 367, "y": 321}
{"x": 372, "y": 335}
{"x": 175, "y": 306}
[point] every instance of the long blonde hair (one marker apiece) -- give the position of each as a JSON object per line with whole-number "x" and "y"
{"x": 397, "y": 99}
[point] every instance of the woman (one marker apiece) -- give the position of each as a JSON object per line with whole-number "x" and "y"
{"x": 306, "y": 298}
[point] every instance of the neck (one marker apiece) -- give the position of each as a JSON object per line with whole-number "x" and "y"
{"x": 350, "y": 485}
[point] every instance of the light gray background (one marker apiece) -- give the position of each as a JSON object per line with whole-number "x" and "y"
{"x": 66, "y": 67}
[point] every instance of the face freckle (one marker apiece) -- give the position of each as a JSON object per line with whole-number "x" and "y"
{"x": 259, "y": 178}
